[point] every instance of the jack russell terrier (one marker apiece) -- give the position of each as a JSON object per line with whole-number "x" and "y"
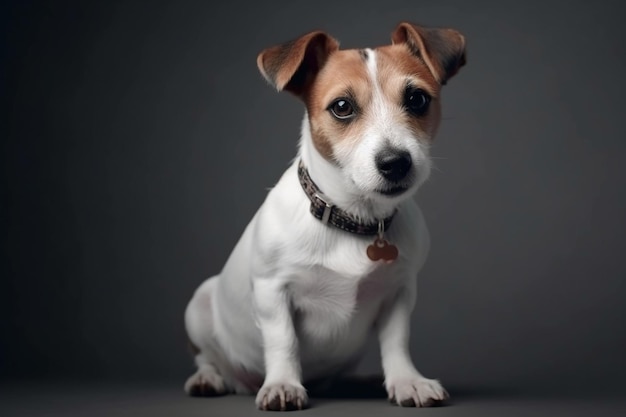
{"x": 334, "y": 251}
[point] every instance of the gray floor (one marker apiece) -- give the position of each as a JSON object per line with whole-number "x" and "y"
{"x": 115, "y": 399}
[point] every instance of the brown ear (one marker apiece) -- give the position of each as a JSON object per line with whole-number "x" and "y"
{"x": 443, "y": 50}
{"x": 293, "y": 65}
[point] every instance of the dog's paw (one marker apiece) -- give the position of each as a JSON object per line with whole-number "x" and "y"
{"x": 282, "y": 397}
{"x": 205, "y": 383}
{"x": 416, "y": 392}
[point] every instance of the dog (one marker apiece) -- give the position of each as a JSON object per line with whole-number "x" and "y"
{"x": 334, "y": 251}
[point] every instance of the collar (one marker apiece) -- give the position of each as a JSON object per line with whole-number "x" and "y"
{"x": 330, "y": 214}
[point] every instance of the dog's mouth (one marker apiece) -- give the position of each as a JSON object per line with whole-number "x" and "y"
{"x": 393, "y": 191}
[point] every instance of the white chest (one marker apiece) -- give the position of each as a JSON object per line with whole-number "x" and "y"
{"x": 328, "y": 304}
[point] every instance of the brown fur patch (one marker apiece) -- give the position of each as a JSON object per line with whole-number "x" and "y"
{"x": 346, "y": 75}
{"x": 443, "y": 50}
{"x": 343, "y": 75}
{"x": 313, "y": 68}
{"x": 292, "y": 65}
{"x": 397, "y": 66}
{"x": 397, "y": 61}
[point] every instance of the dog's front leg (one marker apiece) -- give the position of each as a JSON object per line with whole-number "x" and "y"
{"x": 282, "y": 389}
{"x": 405, "y": 385}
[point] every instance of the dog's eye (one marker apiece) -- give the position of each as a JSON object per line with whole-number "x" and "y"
{"x": 416, "y": 101}
{"x": 342, "y": 109}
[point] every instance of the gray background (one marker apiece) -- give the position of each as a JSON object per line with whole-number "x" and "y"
{"x": 138, "y": 139}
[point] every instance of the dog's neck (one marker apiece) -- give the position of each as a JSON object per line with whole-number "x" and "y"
{"x": 332, "y": 215}
{"x": 338, "y": 189}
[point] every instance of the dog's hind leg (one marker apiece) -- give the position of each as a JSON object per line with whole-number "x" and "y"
{"x": 207, "y": 380}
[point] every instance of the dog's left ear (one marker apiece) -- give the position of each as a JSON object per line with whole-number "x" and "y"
{"x": 292, "y": 66}
{"x": 443, "y": 50}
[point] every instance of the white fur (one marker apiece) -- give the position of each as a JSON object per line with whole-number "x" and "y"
{"x": 297, "y": 299}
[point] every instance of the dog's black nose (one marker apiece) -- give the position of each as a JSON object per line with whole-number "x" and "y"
{"x": 393, "y": 164}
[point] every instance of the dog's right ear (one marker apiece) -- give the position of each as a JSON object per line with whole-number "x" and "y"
{"x": 292, "y": 66}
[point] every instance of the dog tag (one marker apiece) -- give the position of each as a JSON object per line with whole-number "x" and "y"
{"x": 382, "y": 250}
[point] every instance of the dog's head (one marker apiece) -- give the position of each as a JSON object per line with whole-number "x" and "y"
{"x": 372, "y": 112}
